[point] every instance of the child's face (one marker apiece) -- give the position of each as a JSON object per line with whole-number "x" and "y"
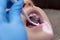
{"x": 39, "y": 32}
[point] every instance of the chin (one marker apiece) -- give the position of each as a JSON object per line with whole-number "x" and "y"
{"x": 43, "y": 31}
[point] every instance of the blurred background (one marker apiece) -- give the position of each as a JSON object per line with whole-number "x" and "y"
{"x": 52, "y": 4}
{"x": 52, "y": 9}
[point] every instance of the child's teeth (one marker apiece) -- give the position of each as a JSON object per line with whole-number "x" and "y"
{"x": 33, "y": 14}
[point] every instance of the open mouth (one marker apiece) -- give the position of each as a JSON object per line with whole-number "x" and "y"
{"x": 34, "y": 16}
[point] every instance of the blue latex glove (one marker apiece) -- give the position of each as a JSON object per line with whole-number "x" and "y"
{"x": 11, "y": 28}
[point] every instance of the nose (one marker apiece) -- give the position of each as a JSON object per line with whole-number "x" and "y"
{"x": 28, "y": 4}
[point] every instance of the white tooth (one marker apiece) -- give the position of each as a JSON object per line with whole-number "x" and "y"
{"x": 30, "y": 15}
{"x": 33, "y": 14}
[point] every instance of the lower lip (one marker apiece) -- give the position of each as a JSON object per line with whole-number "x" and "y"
{"x": 38, "y": 27}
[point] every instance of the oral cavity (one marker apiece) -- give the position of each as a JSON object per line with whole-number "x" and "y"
{"x": 33, "y": 17}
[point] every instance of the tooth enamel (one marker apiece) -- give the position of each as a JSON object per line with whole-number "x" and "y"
{"x": 30, "y": 15}
{"x": 33, "y": 14}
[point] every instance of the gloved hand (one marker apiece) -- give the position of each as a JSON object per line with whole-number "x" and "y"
{"x": 11, "y": 28}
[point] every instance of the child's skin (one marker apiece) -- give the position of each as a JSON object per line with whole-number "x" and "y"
{"x": 37, "y": 32}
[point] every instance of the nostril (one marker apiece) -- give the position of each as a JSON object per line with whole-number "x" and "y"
{"x": 24, "y": 4}
{"x": 28, "y": 4}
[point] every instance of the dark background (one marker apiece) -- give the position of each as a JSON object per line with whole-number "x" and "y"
{"x": 51, "y": 4}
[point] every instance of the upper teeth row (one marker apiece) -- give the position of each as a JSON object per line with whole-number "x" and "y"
{"x": 33, "y": 14}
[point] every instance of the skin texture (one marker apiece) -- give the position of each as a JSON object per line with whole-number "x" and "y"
{"x": 37, "y": 32}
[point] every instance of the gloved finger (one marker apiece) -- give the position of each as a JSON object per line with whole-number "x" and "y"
{"x": 15, "y": 11}
{"x": 3, "y": 4}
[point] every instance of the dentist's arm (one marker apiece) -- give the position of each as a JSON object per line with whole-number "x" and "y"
{"x": 12, "y": 28}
